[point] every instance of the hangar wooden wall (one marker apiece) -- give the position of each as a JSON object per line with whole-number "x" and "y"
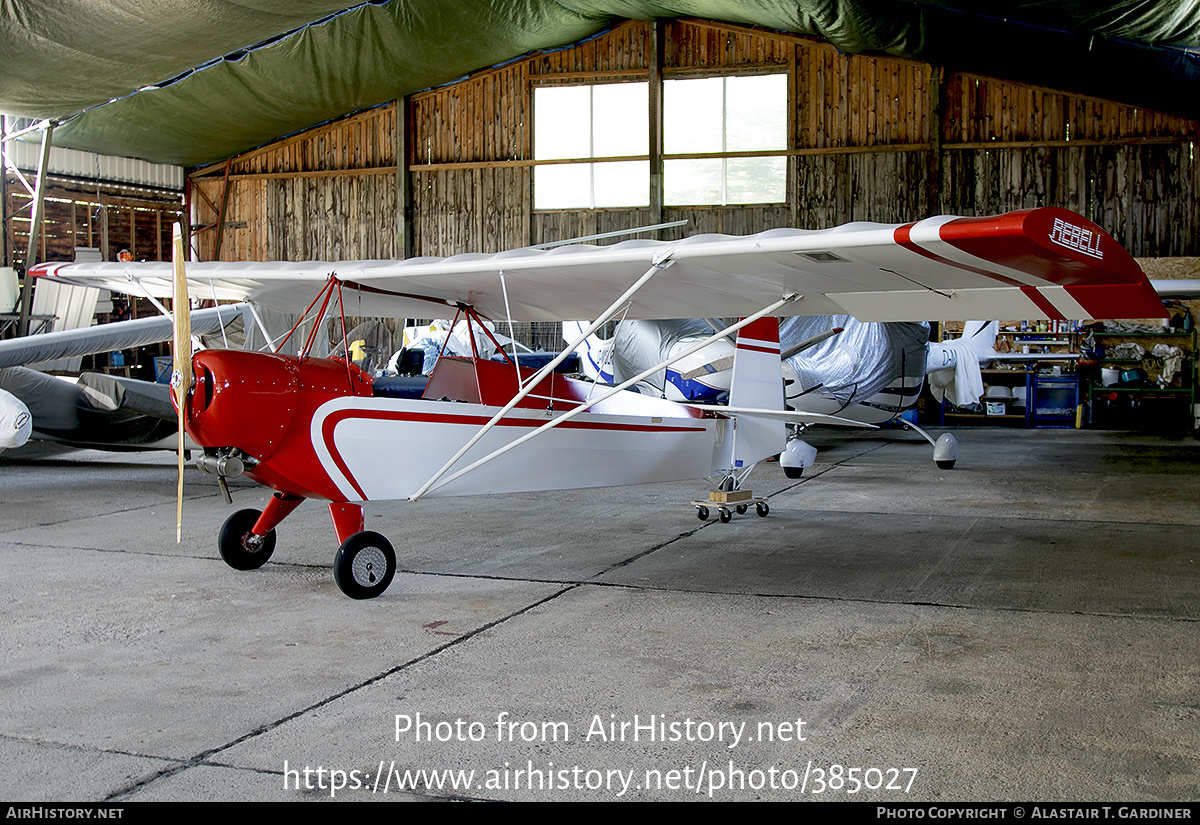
{"x": 870, "y": 138}
{"x": 109, "y": 216}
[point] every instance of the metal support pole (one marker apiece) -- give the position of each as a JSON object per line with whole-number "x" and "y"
{"x": 5, "y": 253}
{"x": 35, "y": 230}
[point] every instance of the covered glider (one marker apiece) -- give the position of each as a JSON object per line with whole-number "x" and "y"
{"x": 320, "y": 428}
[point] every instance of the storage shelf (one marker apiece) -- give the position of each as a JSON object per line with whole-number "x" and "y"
{"x": 1145, "y": 407}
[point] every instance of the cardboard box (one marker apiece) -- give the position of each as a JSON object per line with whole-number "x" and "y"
{"x": 723, "y": 497}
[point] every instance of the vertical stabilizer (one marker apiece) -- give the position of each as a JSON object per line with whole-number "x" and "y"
{"x": 757, "y": 384}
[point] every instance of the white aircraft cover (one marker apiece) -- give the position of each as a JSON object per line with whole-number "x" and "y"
{"x": 1043, "y": 263}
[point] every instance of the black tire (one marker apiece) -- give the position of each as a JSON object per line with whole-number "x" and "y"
{"x": 241, "y": 549}
{"x": 946, "y": 465}
{"x": 741, "y": 508}
{"x": 762, "y": 509}
{"x": 702, "y": 513}
{"x": 793, "y": 472}
{"x": 726, "y": 516}
{"x": 364, "y": 565}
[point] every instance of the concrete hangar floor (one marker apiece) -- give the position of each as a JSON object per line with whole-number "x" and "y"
{"x": 1023, "y": 627}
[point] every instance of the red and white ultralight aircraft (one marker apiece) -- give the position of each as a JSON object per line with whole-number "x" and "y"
{"x": 321, "y": 428}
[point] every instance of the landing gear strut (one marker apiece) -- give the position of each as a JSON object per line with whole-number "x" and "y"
{"x": 363, "y": 567}
{"x": 365, "y": 563}
{"x": 945, "y": 449}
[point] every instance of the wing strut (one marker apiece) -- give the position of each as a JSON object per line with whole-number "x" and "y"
{"x": 660, "y": 263}
{"x": 787, "y": 299}
{"x": 262, "y": 328}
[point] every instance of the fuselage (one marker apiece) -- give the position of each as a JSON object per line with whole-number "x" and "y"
{"x": 314, "y": 428}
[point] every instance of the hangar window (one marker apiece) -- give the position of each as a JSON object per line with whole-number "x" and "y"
{"x": 722, "y": 123}
{"x": 575, "y": 123}
{"x": 724, "y": 139}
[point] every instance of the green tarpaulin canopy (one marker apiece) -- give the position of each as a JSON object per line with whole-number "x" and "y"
{"x": 195, "y": 81}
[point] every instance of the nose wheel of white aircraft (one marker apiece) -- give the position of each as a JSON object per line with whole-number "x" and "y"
{"x": 364, "y": 565}
{"x": 241, "y": 549}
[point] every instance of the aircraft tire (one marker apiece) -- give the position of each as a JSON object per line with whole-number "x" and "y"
{"x": 945, "y": 465}
{"x": 364, "y": 565}
{"x": 235, "y": 545}
{"x": 793, "y": 472}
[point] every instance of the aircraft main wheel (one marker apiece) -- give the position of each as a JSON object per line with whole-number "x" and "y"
{"x": 761, "y": 508}
{"x": 793, "y": 472}
{"x": 945, "y": 465}
{"x": 364, "y": 565}
{"x": 726, "y": 516}
{"x": 702, "y": 513}
{"x": 241, "y": 549}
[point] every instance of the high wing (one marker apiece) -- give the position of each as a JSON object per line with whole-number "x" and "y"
{"x": 1045, "y": 263}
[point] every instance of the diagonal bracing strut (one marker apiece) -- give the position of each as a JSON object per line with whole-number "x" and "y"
{"x": 590, "y": 403}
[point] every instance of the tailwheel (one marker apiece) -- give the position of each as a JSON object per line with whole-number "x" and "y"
{"x": 364, "y": 565}
{"x": 241, "y": 549}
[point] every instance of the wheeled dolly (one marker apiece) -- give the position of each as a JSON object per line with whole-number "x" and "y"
{"x": 727, "y": 502}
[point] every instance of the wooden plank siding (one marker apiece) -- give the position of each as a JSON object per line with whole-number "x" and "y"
{"x": 872, "y": 138}
{"x": 113, "y": 219}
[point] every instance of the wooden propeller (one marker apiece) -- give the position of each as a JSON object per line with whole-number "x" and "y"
{"x": 181, "y": 376}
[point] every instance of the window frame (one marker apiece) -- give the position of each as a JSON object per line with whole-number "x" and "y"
{"x": 596, "y": 163}
{"x": 725, "y": 155}
{"x": 593, "y": 161}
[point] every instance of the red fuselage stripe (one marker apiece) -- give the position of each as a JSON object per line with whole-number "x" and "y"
{"x": 333, "y": 419}
{"x": 753, "y": 348}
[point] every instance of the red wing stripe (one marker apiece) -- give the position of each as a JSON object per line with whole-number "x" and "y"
{"x": 903, "y": 237}
{"x": 1043, "y": 303}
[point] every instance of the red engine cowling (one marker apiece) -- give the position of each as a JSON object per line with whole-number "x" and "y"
{"x": 262, "y": 404}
